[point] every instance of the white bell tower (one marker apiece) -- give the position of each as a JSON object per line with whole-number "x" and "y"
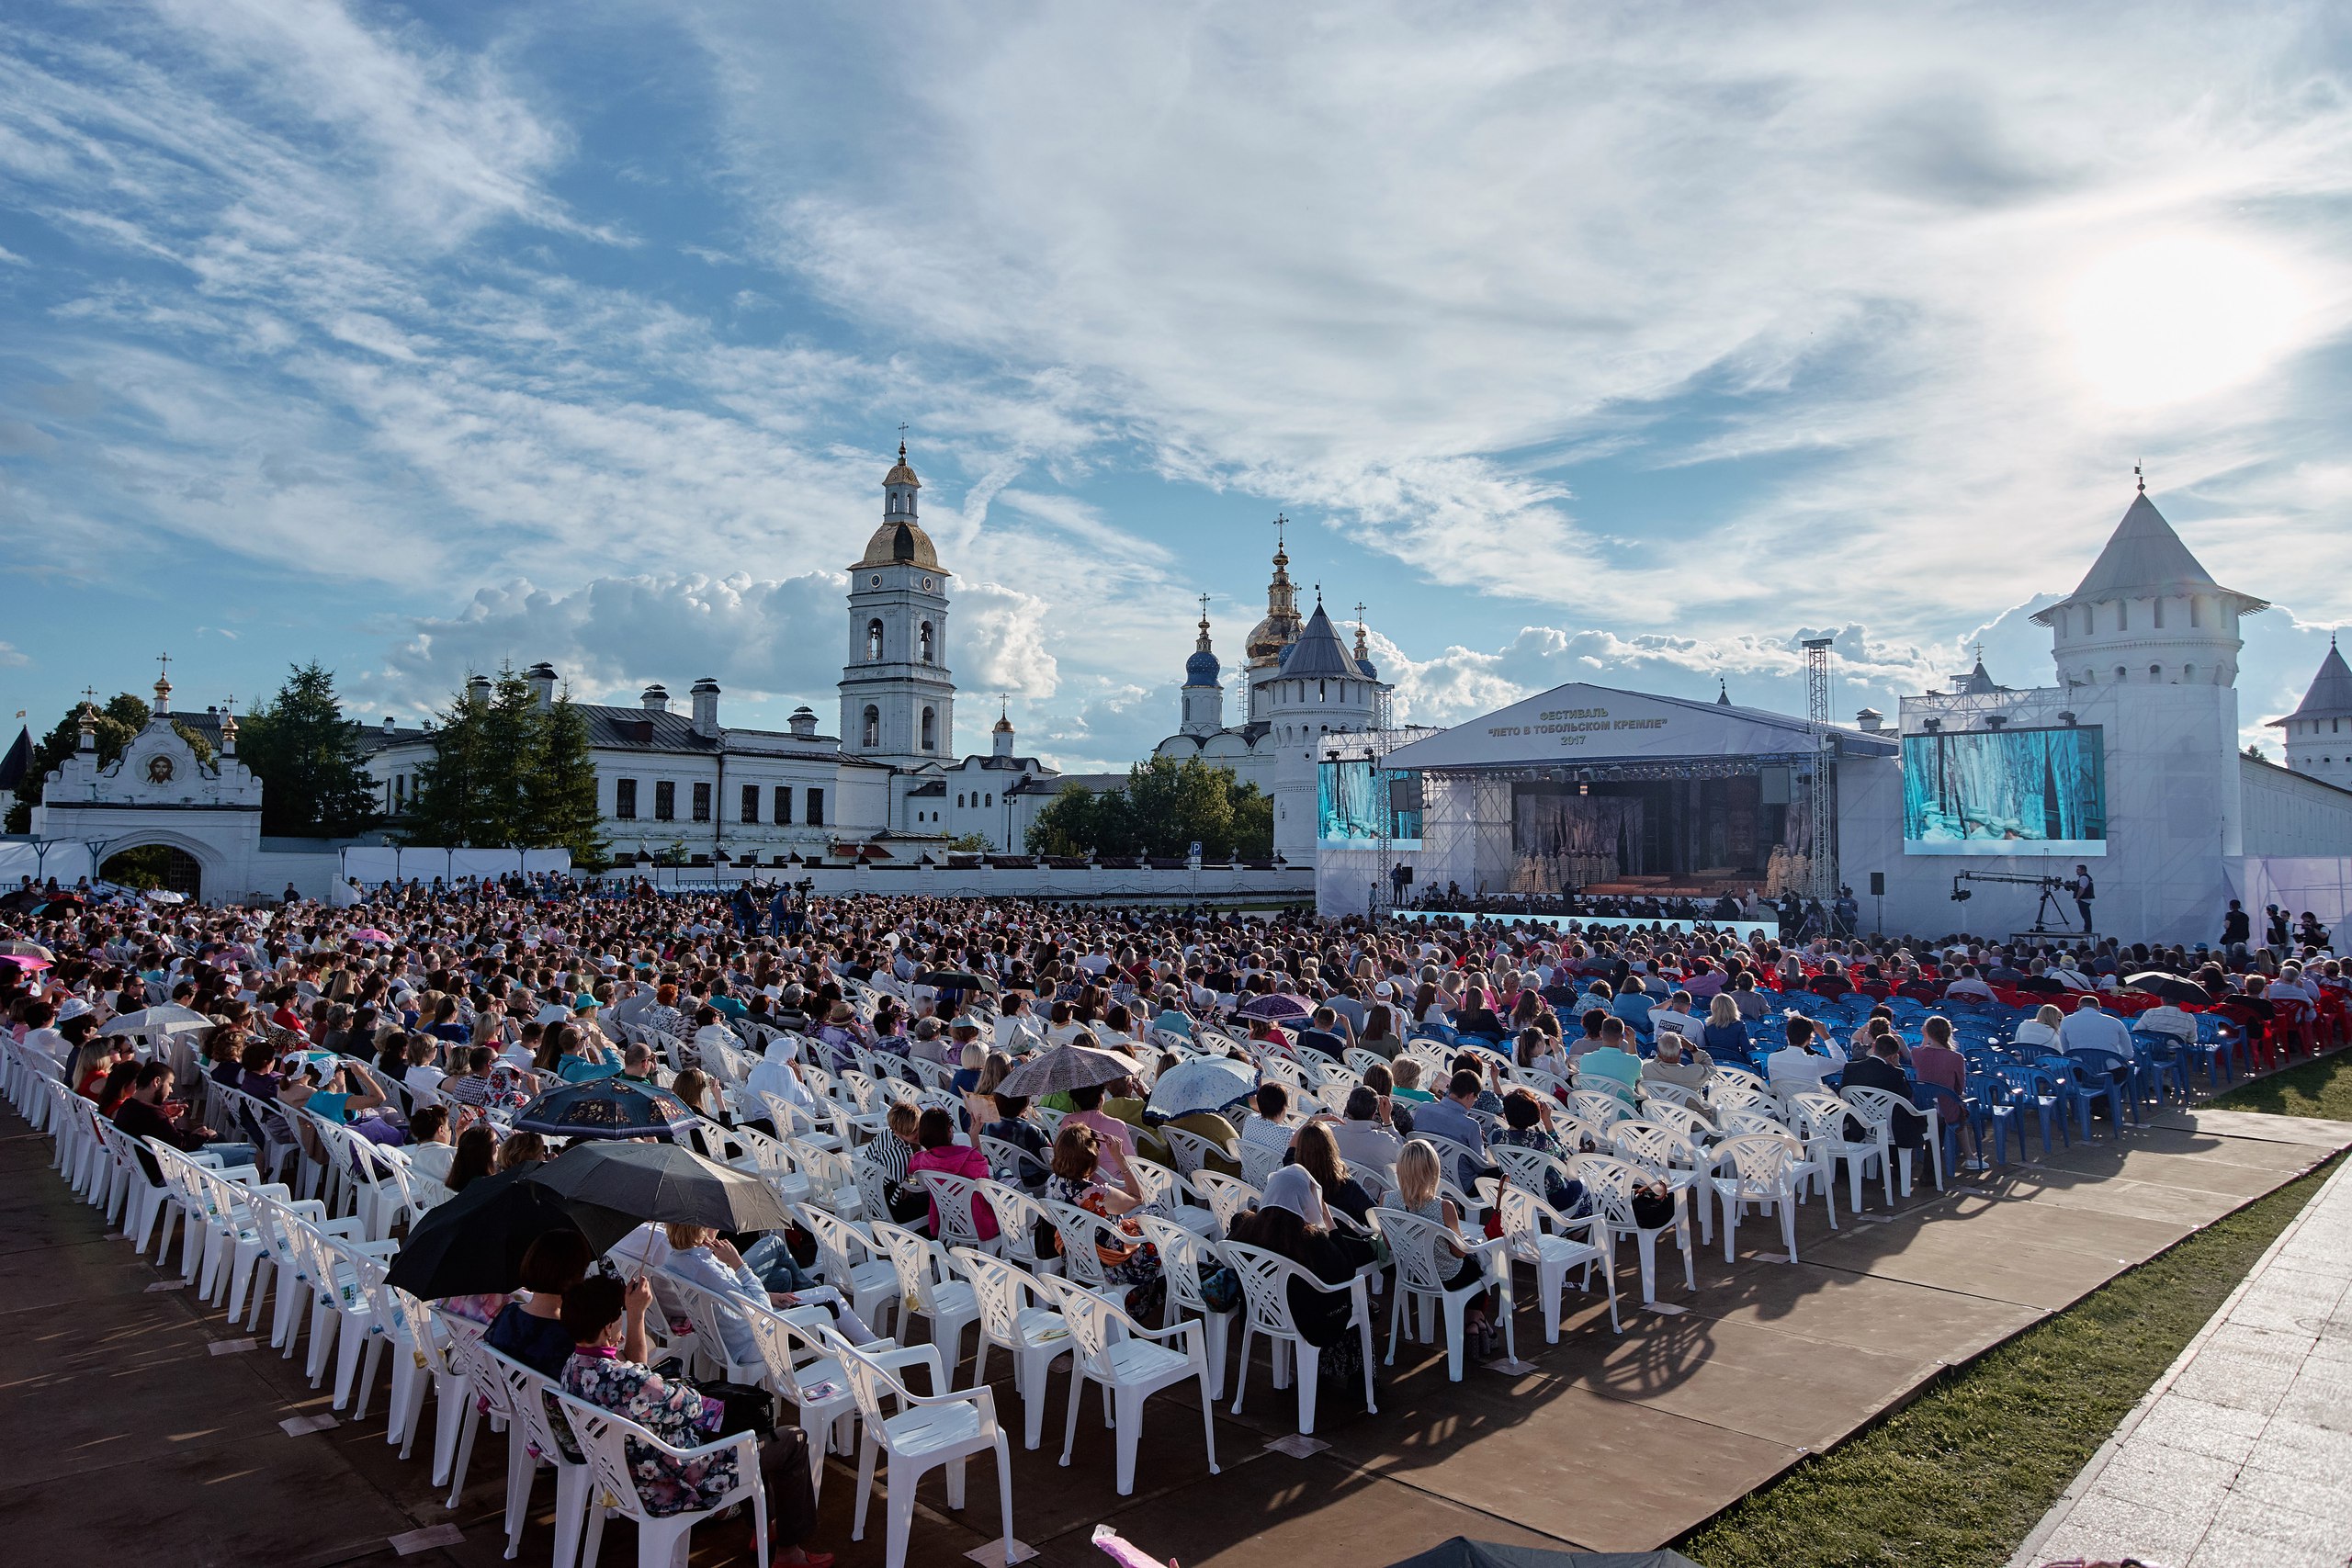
{"x": 898, "y": 695}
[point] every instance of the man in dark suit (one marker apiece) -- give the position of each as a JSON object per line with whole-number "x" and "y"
{"x": 1879, "y": 1070}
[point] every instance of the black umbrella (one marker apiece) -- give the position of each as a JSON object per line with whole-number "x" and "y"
{"x": 952, "y": 979}
{"x": 1464, "y": 1552}
{"x": 662, "y": 1183}
{"x": 2169, "y": 987}
{"x": 605, "y": 1108}
{"x": 474, "y": 1243}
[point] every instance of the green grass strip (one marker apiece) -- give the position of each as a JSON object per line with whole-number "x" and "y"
{"x": 2322, "y": 1089}
{"x": 1959, "y": 1476}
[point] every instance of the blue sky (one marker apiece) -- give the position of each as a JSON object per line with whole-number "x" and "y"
{"x": 1620, "y": 342}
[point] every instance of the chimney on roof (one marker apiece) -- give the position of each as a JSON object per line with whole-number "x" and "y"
{"x": 388, "y": 724}
{"x": 478, "y": 688}
{"x": 1870, "y": 721}
{"x": 803, "y": 724}
{"x": 655, "y": 698}
{"x": 541, "y": 679}
{"x": 705, "y": 696}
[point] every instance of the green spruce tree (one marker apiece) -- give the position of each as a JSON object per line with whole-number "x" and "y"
{"x": 315, "y": 777}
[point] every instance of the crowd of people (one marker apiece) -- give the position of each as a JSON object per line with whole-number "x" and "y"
{"x": 418, "y": 1016}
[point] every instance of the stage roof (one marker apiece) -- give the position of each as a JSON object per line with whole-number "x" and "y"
{"x": 1580, "y": 723}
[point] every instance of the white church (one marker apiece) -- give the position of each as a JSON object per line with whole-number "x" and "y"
{"x": 888, "y": 786}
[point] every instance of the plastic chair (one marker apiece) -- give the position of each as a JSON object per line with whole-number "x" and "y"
{"x": 852, "y": 1262}
{"x": 661, "y": 1538}
{"x": 1821, "y": 1122}
{"x": 1667, "y": 1154}
{"x": 929, "y": 1288}
{"x": 1192, "y": 1151}
{"x": 1768, "y": 1170}
{"x": 928, "y": 1432}
{"x": 1184, "y": 1258}
{"x": 955, "y": 1197}
{"x": 1010, "y": 1162}
{"x": 1426, "y": 1257}
{"x": 1266, "y": 1278}
{"x": 2083, "y": 1078}
{"x": 1084, "y": 1234}
{"x": 1541, "y": 1236}
{"x": 1877, "y": 1109}
{"x": 532, "y": 1440}
{"x": 1035, "y": 1335}
{"x": 1259, "y": 1163}
{"x": 420, "y": 1365}
{"x": 1610, "y": 1182}
{"x": 1227, "y": 1197}
{"x": 798, "y": 1366}
{"x": 1018, "y": 1215}
{"x": 1131, "y": 1363}
{"x": 1166, "y": 1190}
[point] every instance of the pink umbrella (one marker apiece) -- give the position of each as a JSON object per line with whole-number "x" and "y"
{"x": 369, "y": 933}
{"x": 24, "y": 960}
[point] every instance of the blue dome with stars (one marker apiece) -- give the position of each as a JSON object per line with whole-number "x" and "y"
{"x": 1202, "y": 669}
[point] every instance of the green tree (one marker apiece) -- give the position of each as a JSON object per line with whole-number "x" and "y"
{"x": 119, "y": 721}
{"x": 969, "y": 844}
{"x": 307, "y": 755}
{"x": 1067, "y": 824}
{"x": 561, "y": 792}
{"x": 449, "y": 803}
{"x": 1253, "y": 820}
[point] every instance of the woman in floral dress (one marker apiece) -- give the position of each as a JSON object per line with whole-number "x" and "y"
{"x": 608, "y": 1368}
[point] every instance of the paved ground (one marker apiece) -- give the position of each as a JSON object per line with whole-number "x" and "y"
{"x": 2241, "y": 1457}
{"x": 131, "y": 1440}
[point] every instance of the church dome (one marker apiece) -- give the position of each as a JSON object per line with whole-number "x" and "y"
{"x": 1202, "y": 669}
{"x": 1271, "y": 635}
{"x": 901, "y": 544}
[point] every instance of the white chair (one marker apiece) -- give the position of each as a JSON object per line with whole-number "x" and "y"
{"x": 873, "y": 1184}
{"x": 1191, "y": 1150}
{"x": 712, "y": 1357}
{"x": 1185, "y": 1256}
{"x": 1609, "y": 1183}
{"x": 420, "y": 1365}
{"x": 1266, "y": 1277}
{"x": 1427, "y": 1259}
{"x": 800, "y": 1367}
{"x": 928, "y": 1432}
{"x": 1667, "y": 1155}
{"x": 1544, "y": 1238}
{"x": 531, "y": 1441}
{"x": 851, "y": 1262}
{"x": 1035, "y": 1335}
{"x": 661, "y": 1538}
{"x": 1821, "y": 1122}
{"x": 1598, "y": 1108}
{"x": 1131, "y": 1363}
{"x": 1766, "y": 1168}
{"x": 929, "y": 1288}
{"x": 1017, "y": 1216}
{"x": 1227, "y": 1197}
{"x": 1167, "y": 1191}
{"x": 954, "y": 1198}
{"x": 1877, "y": 1109}
{"x": 1084, "y": 1234}
{"x": 1010, "y": 1162}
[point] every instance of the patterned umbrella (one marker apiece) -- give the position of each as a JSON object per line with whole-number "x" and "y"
{"x": 605, "y": 1108}
{"x": 1064, "y": 1067}
{"x": 1278, "y": 1007}
{"x": 1205, "y": 1083}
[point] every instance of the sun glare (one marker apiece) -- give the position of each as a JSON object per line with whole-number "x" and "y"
{"x": 2170, "y": 319}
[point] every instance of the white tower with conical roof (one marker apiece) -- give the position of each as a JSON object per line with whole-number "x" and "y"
{"x": 2148, "y": 613}
{"x": 897, "y": 696}
{"x": 2319, "y": 732}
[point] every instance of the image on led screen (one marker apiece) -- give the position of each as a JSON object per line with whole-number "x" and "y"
{"x": 1356, "y": 799}
{"x": 2005, "y": 792}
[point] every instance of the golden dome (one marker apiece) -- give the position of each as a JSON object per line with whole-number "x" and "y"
{"x": 901, "y": 544}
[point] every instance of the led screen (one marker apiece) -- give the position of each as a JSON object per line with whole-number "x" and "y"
{"x": 2005, "y": 792}
{"x": 1353, "y": 798}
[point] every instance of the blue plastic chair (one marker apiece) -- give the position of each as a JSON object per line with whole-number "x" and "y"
{"x": 2164, "y": 1062}
{"x": 1929, "y": 1097}
{"x": 2082, "y": 1078}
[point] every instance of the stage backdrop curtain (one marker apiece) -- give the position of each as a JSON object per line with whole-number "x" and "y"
{"x": 1573, "y": 840}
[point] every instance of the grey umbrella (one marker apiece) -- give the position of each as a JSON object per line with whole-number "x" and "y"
{"x": 1062, "y": 1068}
{"x": 169, "y": 1018}
{"x": 665, "y": 1183}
